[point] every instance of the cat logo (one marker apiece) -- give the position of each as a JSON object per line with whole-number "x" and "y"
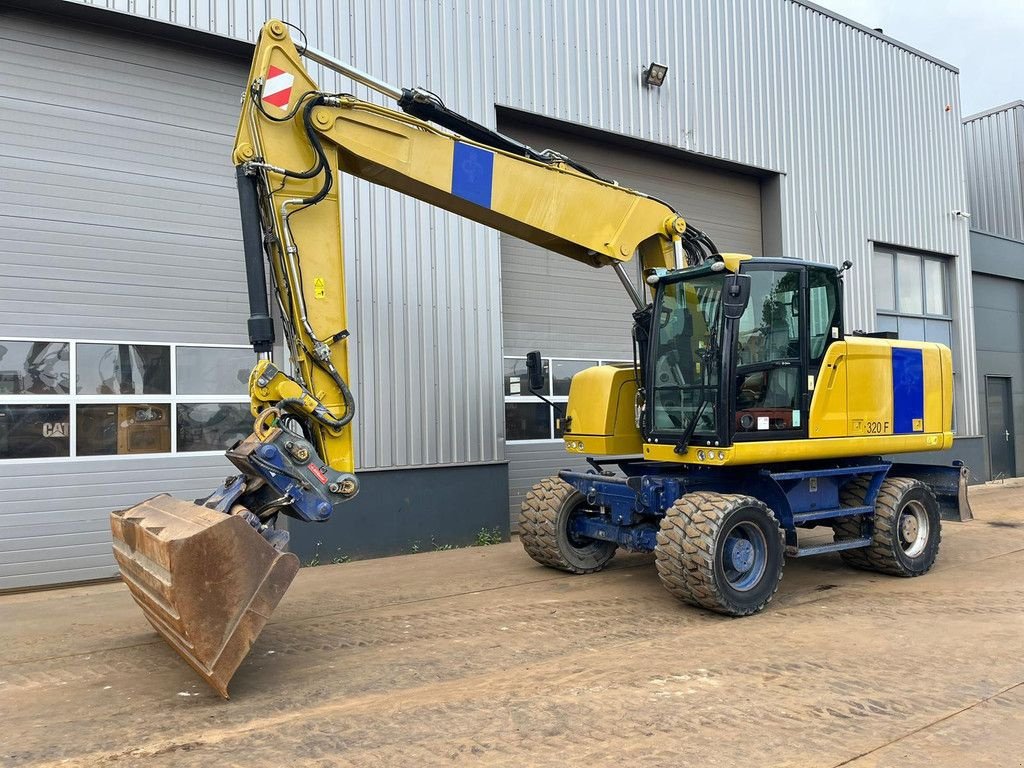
{"x": 55, "y": 429}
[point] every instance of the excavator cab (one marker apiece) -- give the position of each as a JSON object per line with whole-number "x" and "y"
{"x": 733, "y": 353}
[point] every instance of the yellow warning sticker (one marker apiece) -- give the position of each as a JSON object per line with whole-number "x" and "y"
{"x": 918, "y": 425}
{"x": 319, "y": 288}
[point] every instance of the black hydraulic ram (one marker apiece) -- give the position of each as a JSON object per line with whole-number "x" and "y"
{"x": 261, "y": 326}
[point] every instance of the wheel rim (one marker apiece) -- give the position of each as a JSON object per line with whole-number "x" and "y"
{"x": 744, "y": 556}
{"x": 575, "y": 540}
{"x": 913, "y": 529}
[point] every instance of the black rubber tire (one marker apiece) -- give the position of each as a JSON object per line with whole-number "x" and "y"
{"x": 543, "y": 529}
{"x": 846, "y": 528}
{"x": 885, "y": 554}
{"x": 690, "y": 546}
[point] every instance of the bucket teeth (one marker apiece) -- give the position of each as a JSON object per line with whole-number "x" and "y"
{"x": 206, "y": 581}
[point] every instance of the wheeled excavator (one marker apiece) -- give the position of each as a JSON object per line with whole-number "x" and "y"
{"x": 750, "y": 413}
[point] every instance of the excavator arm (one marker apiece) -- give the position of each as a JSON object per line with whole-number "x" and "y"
{"x": 292, "y": 141}
{"x": 207, "y": 575}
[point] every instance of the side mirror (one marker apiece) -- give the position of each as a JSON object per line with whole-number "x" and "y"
{"x": 535, "y": 369}
{"x": 736, "y": 295}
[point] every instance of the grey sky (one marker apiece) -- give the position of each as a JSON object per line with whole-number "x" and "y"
{"x": 983, "y": 38}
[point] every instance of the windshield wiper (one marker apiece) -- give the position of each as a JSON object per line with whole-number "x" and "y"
{"x": 684, "y": 441}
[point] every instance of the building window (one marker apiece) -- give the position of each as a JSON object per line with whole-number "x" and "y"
{"x": 123, "y": 369}
{"x": 35, "y": 368}
{"x": 912, "y": 296}
{"x": 528, "y": 419}
{"x": 66, "y": 399}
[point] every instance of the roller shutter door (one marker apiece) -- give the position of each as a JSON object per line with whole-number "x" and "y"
{"x": 120, "y": 224}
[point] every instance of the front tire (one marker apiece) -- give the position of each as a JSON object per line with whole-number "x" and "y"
{"x": 544, "y": 524}
{"x": 723, "y": 552}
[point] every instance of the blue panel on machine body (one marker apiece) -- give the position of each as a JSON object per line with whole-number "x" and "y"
{"x": 472, "y": 174}
{"x": 907, "y": 390}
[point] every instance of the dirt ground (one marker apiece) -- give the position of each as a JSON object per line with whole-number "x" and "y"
{"x": 479, "y": 656}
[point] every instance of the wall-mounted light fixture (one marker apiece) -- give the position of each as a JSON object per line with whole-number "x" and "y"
{"x": 655, "y": 74}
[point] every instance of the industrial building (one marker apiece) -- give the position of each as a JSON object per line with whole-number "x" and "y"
{"x": 994, "y": 147}
{"x": 779, "y": 128}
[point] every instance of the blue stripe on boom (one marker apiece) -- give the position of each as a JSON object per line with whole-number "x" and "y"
{"x": 907, "y": 389}
{"x": 472, "y": 174}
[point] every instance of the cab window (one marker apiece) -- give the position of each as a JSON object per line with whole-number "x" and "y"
{"x": 824, "y": 305}
{"x": 768, "y": 354}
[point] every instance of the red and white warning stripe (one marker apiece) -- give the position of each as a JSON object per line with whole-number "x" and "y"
{"x": 278, "y": 88}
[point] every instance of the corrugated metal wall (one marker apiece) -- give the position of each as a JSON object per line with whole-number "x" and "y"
{"x": 424, "y": 292}
{"x": 866, "y": 133}
{"x": 47, "y": 537}
{"x": 424, "y": 285}
{"x": 999, "y": 310}
{"x": 858, "y": 126}
{"x": 994, "y": 147}
{"x": 121, "y": 219}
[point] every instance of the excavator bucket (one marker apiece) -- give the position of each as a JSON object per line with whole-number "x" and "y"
{"x": 206, "y": 581}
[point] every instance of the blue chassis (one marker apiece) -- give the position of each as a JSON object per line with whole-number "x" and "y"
{"x": 633, "y": 499}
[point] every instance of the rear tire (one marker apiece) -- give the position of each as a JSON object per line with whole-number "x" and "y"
{"x": 544, "y": 529}
{"x": 719, "y": 551}
{"x": 907, "y": 528}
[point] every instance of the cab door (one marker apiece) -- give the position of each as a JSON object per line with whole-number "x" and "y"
{"x": 794, "y": 313}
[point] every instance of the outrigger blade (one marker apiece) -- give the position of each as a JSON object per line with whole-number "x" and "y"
{"x": 207, "y": 581}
